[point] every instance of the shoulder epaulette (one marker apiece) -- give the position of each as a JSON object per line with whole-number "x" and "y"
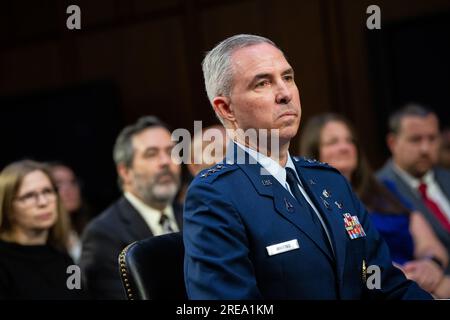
{"x": 215, "y": 171}
{"x": 307, "y": 162}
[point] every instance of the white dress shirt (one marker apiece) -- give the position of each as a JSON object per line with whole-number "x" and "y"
{"x": 278, "y": 172}
{"x": 151, "y": 215}
{"x": 434, "y": 192}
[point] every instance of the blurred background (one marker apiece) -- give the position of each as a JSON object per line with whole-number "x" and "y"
{"x": 65, "y": 94}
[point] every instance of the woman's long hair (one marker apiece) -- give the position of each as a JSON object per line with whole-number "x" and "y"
{"x": 373, "y": 194}
{"x": 10, "y": 180}
{"x": 80, "y": 217}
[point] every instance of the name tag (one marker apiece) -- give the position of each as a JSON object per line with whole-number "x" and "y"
{"x": 282, "y": 247}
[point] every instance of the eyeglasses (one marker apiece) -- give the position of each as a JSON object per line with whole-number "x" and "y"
{"x": 32, "y": 198}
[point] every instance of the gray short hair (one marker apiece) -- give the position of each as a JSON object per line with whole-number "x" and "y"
{"x": 410, "y": 109}
{"x": 123, "y": 152}
{"x": 217, "y": 66}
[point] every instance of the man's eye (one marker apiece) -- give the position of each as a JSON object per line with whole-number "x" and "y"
{"x": 149, "y": 154}
{"x": 262, "y": 84}
{"x": 289, "y": 77}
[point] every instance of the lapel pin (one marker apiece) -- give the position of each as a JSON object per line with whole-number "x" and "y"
{"x": 312, "y": 182}
{"x": 289, "y": 205}
{"x": 266, "y": 182}
{"x": 326, "y": 193}
{"x": 338, "y": 204}
{"x": 325, "y": 203}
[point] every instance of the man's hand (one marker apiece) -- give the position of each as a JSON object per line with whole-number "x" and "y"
{"x": 425, "y": 272}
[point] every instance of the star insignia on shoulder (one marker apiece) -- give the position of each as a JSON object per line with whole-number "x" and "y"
{"x": 212, "y": 170}
{"x": 312, "y": 161}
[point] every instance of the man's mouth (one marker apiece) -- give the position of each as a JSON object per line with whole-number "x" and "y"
{"x": 288, "y": 114}
{"x": 165, "y": 178}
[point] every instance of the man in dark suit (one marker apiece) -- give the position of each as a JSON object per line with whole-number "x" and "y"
{"x": 149, "y": 180}
{"x": 264, "y": 225}
{"x": 414, "y": 143}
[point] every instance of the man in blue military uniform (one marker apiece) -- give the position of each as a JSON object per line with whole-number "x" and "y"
{"x": 264, "y": 225}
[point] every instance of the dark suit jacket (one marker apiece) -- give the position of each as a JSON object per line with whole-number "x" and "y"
{"x": 232, "y": 215}
{"x": 442, "y": 177}
{"x": 103, "y": 240}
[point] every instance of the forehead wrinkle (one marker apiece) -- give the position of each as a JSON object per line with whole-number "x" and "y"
{"x": 256, "y": 63}
{"x": 143, "y": 141}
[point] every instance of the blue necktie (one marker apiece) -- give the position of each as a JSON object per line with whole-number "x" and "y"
{"x": 291, "y": 179}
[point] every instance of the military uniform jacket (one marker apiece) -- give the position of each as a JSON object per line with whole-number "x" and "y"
{"x": 233, "y": 215}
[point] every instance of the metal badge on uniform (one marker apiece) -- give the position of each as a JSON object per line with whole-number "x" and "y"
{"x": 282, "y": 247}
{"x": 289, "y": 205}
{"x": 338, "y": 204}
{"x": 353, "y": 227}
{"x": 325, "y": 203}
{"x": 326, "y": 193}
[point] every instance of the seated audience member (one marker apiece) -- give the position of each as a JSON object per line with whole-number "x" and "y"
{"x": 413, "y": 140}
{"x": 204, "y": 146}
{"x": 207, "y": 148}
{"x": 149, "y": 180}
{"x": 70, "y": 193}
{"x": 33, "y": 236}
{"x": 413, "y": 245}
{"x": 444, "y": 153}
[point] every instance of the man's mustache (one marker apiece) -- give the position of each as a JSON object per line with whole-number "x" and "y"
{"x": 425, "y": 157}
{"x": 164, "y": 174}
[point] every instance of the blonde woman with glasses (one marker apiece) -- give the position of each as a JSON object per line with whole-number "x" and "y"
{"x": 34, "y": 262}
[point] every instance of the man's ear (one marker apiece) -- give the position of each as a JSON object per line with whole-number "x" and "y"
{"x": 222, "y": 107}
{"x": 124, "y": 173}
{"x": 391, "y": 140}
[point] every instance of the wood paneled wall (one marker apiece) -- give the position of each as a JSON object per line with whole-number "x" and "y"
{"x": 152, "y": 50}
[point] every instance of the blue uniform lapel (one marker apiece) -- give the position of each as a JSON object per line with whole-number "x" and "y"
{"x": 297, "y": 216}
{"x": 331, "y": 215}
{"x": 284, "y": 203}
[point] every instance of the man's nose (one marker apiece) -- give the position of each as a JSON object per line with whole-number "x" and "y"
{"x": 165, "y": 159}
{"x": 283, "y": 94}
{"x": 425, "y": 146}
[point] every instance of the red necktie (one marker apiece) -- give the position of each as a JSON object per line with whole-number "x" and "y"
{"x": 434, "y": 208}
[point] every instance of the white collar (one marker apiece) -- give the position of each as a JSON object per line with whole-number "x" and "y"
{"x": 271, "y": 166}
{"x": 412, "y": 181}
{"x": 151, "y": 215}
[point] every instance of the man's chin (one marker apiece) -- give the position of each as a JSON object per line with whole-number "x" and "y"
{"x": 419, "y": 172}
{"x": 165, "y": 193}
{"x": 287, "y": 134}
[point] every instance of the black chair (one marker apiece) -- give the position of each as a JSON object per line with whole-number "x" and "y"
{"x": 153, "y": 268}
